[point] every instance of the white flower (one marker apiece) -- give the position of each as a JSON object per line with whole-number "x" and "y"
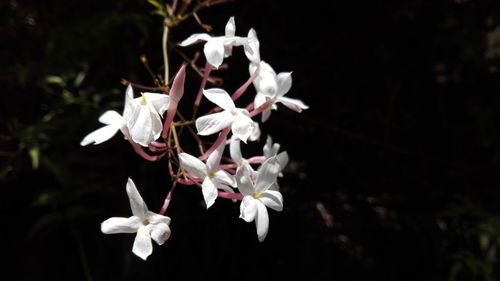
{"x": 212, "y": 176}
{"x": 241, "y": 124}
{"x": 114, "y": 122}
{"x": 268, "y": 84}
{"x": 271, "y": 150}
{"x": 220, "y": 47}
{"x": 258, "y": 195}
{"x": 272, "y": 86}
{"x": 146, "y": 224}
{"x": 142, "y": 116}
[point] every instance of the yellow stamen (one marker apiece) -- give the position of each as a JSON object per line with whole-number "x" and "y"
{"x": 143, "y": 99}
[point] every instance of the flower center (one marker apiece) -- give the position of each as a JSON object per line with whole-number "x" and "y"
{"x": 211, "y": 175}
{"x": 145, "y": 222}
{"x": 143, "y": 99}
{"x": 257, "y": 194}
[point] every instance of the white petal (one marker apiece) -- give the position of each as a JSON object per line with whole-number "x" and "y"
{"x": 100, "y": 135}
{"x": 282, "y": 159}
{"x": 270, "y": 149}
{"x": 255, "y": 136}
{"x": 154, "y": 218}
{"x": 261, "y": 221}
{"x": 159, "y": 101}
{"x": 266, "y": 68}
{"x": 272, "y": 199}
{"x": 225, "y": 178}
{"x": 220, "y": 97}
{"x": 252, "y": 47}
{"x": 193, "y": 165}
{"x": 244, "y": 181}
{"x": 195, "y": 37}
{"x": 142, "y": 243}
{"x": 214, "y": 51}
{"x": 209, "y": 192}
{"x": 213, "y": 123}
{"x": 266, "y": 113}
{"x": 121, "y": 225}
{"x": 268, "y": 85}
{"x": 230, "y": 27}
{"x": 259, "y": 99}
{"x": 284, "y": 80}
{"x": 111, "y": 117}
{"x": 268, "y": 174}
{"x": 160, "y": 233}
{"x": 293, "y": 104}
{"x": 248, "y": 208}
{"x": 141, "y": 129}
{"x": 235, "y": 150}
{"x": 242, "y": 126}
{"x": 214, "y": 158}
{"x": 137, "y": 205}
{"x": 128, "y": 109}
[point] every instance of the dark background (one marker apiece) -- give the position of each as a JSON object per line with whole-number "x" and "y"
{"x": 393, "y": 172}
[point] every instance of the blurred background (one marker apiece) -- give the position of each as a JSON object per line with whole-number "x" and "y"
{"x": 394, "y": 171}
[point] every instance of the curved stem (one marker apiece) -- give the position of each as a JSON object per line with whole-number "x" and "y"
{"x": 227, "y": 195}
{"x": 164, "y": 42}
{"x": 220, "y": 139}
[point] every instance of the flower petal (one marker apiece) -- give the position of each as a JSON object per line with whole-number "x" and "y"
{"x": 284, "y": 80}
{"x": 293, "y": 104}
{"x": 261, "y": 221}
{"x": 252, "y": 47}
{"x": 242, "y": 126}
{"x": 193, "y": 165}
{"x": 267, "y": 84}
{"x": 209, "y": 192}
{"x": 259, "y": 99}
{"x": 214, "y": 51}
{"x": 235, "y": 150}
{"x": 267, "y": 175}
{"x": 282, "y": 159}
{"x": 111, "y": 117}
{"x": 160, "y": 233}
{"x": 155, "y": 218}
{"x": 214, "y": 158}
{"x": 220, "y": 97}
{"x": 121, "y": 225}
{"x": 137, "y": 205}
{"x": 195, "y": 37}
{"x": 272, "y": 199}
{"x": 248, "y": 208}
{"x": 270, "y": 149}
{"x": 100, "y": 135}
{"x": 224, "y": 177}
{"x": 142, "y": 243}
{"x": 244, "y": 180}
{"x": 255, "y": 136}
{"x": 213, "y": 123}
{"x": 160, "y": 102}
{"x": 142, "y": 128}
{"x": 230, "y": 27}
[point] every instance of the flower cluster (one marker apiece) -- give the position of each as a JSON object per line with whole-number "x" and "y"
{"x": 252, "y": 181}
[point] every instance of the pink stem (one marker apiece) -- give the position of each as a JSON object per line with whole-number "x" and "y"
{"x": 227, "y": 195}
{"x": 261, "y": 108}
{"x": 244, "y": 87}
{"x": 166, "y": 203}
{"x": 186, "y": 182}
{"x": 256, "y": 159}
{"x": 206, "y": 73}
{"x": 220, "y": 139}
{"x": 139, "y": 150}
